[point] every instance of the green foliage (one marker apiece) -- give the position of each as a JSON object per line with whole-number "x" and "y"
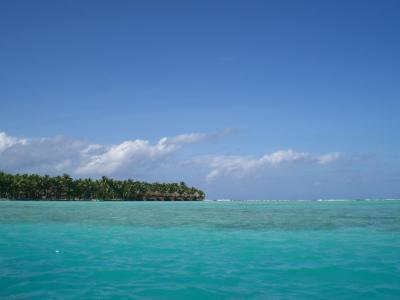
{"x": 37, "y": 187}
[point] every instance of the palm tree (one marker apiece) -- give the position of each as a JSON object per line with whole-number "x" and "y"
{"x": 65, "y": 188}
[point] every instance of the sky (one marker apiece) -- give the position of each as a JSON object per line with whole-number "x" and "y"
{"x": 244, "y": 99}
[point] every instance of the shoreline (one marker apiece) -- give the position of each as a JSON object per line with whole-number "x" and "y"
{"x": 98, "y": 200}
{"x": 34, "y": 187}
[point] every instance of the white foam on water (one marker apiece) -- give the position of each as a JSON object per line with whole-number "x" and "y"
{"x": 301, "y": 200}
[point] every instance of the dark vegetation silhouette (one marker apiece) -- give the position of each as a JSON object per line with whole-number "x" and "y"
{"x": 38, "y": 187}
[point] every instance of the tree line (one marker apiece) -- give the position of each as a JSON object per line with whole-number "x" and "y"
{"x": 38, "y": 187}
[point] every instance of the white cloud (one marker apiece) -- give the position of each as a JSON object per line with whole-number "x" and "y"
{"x": 8, "y": 141}
{"x": 60, "y": 154}
{"x": 329, "y": 158}
{"x": 126, "y": 155}
{"x": 139, "y": 153}
{"x": 244, "y": 165}
{"x": 45, "y": 155}
{"x": 283, "y": 156}
{"x": 196, "y": 137}
{"x": 77, "y": 157}
{"x": 184, "y": 138}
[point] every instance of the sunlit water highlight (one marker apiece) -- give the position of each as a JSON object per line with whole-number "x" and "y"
{"x": 200, "y": 250}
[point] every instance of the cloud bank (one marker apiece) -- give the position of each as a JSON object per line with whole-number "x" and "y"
{"x": 244, "y": 165}
{"x": 8, "y": 141}
{"x": 81, "y": 158}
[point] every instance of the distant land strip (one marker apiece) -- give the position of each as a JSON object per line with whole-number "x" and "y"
{"x": 45, "y": 187}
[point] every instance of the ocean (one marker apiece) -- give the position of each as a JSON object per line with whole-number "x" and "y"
{"x": 200, "y": 250}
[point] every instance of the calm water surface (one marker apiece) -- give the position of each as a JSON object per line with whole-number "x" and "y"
{"x": 200, "y": 250}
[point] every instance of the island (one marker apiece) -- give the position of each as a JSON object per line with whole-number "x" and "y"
{"x": 39, "y": 187}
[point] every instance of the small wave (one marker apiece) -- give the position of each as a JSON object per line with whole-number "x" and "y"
{"x": 299, "y": 200}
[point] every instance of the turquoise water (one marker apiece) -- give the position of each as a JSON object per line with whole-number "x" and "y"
{"x": 200, "y": 250}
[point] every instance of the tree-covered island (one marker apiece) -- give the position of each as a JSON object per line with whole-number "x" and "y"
{"x": 37, "y": 187}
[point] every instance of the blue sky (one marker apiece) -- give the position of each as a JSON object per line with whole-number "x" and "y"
{"x": 255, "y": 92}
